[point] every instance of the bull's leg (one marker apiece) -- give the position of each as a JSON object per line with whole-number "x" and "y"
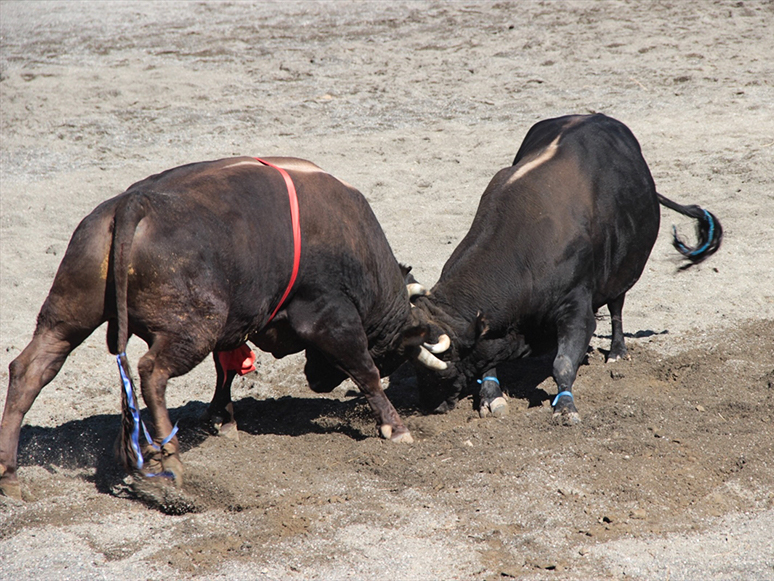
{"x": 337, "y": 332}
{"x": 320, "y": 374}
{"x": 220, "y": 413}
{"x": 35, "y": 367}
{"x": 574, "y": 330}
{"x": 617, "y": 345}
{"x": 491, "y": 398}
{"x": 155, "y": 368}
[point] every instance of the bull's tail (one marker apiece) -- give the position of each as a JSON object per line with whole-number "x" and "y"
{"x": 709, "y": 232}
{"x": 127, "y": 217}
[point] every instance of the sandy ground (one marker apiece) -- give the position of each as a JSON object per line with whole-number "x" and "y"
{"x": 417, "y": 104}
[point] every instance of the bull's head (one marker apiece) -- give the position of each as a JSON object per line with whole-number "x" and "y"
{"x": 445, "y": 361}
{"x": 456, "y": 352}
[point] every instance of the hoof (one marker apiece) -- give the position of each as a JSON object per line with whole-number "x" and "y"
{"x": 156, "y": 493}
{"x": 613, "y": 357}
{"x": 11, "y": 489}
{"x": 403, "y": 436}
{"x": 567, "y": 418}
{"x": 498, "y": 408}
{"x": 228, "y": 430}
{"x": 444, "y": 408}
{"x": 174, "y": 467}
{"x": 164, "y": 469}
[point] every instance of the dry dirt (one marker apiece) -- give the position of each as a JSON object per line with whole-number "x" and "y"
{"x": 418, "y": 104}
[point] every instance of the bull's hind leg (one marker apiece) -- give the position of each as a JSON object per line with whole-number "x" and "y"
{"x": 574, "y": 330}
{"x": 618, "y": 349}
{"x": 155, "y": 368}
{"x": 35, "y": 367}
{"x": 220, "y": 413}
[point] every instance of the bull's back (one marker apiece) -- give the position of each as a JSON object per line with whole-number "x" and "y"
{"x": 233, "y": 216}
{"x": 217, "y": 237}
{"x": 577, "y": 208}
{"x": 600, "y": 190}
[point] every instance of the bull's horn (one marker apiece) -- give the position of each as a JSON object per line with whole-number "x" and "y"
{"x": 431, "y": 361}
{"x": 416, "y": 290}
{"x": 443, "y": 344}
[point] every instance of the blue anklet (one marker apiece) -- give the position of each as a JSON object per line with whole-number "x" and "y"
{"x": 560, "y": 394}
{"x": 489, "y": 378}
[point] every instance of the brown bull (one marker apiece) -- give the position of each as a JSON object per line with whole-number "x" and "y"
{"x": 195, "y": 260}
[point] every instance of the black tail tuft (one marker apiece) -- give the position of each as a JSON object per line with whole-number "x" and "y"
{"x": 709, "y": 232}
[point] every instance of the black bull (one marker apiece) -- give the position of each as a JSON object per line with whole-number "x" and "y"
{"x": 564, "y": 231}
{"x": 194, "y": 260}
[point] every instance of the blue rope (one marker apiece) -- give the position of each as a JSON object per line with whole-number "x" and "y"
{"x": 135, "y": 412}
{"x": 163, "y": 442}
{"x": 489, "y": 378}
{"x": 560, "y": 394}
{"x": 138, "y": 422}
{"x": 706, "y": 244}
{"x": 164, "y": 473}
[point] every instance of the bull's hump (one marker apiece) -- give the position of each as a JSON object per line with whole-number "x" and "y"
{"x": 536, "y": 161}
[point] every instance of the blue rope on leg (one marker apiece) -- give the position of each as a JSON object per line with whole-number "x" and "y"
{"x": 135, "y": 438}
{"x": 489, "y": 378}
{"x": 560, "y": 394}
{"x": 158, "y": 447}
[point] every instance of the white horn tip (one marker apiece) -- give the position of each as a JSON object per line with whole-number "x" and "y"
{"x": 429, "y": 360}
{"x": 443, "y": 344}
{"x": 416, "y": 290}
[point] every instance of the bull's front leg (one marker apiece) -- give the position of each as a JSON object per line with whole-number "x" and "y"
{"x": 337, "y": 332}
{"x": 491, "y": 400}
{"x": 390, "y": 425}
{"x": 574, "y": 331}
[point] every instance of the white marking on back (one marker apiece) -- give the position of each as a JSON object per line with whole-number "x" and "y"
{"x": 548, "y": 153}
{"x": 241, "y": 163}
{"x": 284, "y": 163}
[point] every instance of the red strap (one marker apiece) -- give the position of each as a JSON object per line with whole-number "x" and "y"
{"x": 296, "y": 232}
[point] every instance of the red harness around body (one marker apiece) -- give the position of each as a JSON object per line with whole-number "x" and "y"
{"x": 242, "y": 359}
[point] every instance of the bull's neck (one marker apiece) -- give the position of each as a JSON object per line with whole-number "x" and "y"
{"x": 385, "y": 330}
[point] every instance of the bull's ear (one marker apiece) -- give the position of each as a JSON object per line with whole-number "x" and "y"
{"x": 482, "y": 325}
{"x": 476, "y": 330}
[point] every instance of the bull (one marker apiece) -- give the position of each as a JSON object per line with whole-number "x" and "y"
{"x": 565, "y": 230}
{"x": 200, "y": 258}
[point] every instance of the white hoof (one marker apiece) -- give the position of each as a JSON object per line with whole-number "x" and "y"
{"x": 386, "y": 432}
{"x": 404, "y": 438}
{"x": 499, "y": 407}
{"x": 229, "y": 431}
